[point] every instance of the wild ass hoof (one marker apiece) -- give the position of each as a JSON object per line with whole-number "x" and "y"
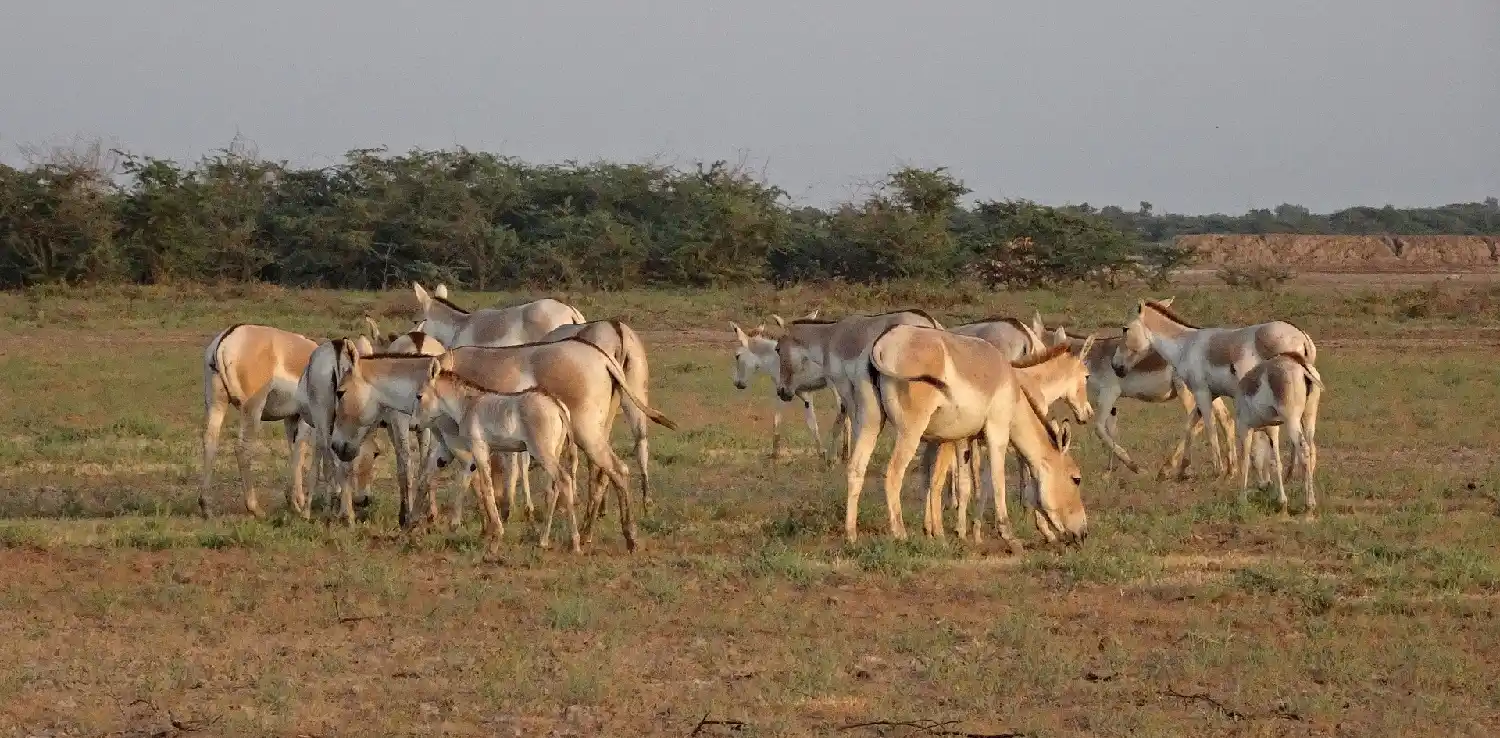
{"x": 1015, "y": 547}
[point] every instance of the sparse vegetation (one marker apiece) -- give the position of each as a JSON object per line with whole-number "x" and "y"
{"x": 744, "y": 603}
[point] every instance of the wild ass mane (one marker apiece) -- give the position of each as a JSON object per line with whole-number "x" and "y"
{"x": 1169, "y": 315}
{"x": 1030, "y": 361}
{"x": 449, "y": 303}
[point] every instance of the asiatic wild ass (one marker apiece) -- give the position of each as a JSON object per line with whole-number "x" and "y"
{"x": 812, "y": 352}
{"x": 255, "y": 369}
{"x": 943, "y": 387}
{"x": 1274, "y": 393}
{"x": 454, "y": 326}
{"x": 1209, "y": 361}
{"x": 1149, "y": 380}
{"x": 583, "y": 376}
{"x": 757, "y": 355}
{"x": 530, "y": 420}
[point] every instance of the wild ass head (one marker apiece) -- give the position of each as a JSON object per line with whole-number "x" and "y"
{"x": 757, "y": 352}
{"x": 372, "y": 385}
{"x": 1136, "y": 343}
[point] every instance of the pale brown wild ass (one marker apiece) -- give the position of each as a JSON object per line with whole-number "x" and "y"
{"x": 454, "y": 326}
{"x": 1209, "y": 361}
{"x": 1149, "y": 380}
{"x": 254, "y": 368}
{"x": 1274, "y": 393}
{"x": 531, "y": 421}
{"x": 944, "y": 387}
{"x": 838, "y": 353}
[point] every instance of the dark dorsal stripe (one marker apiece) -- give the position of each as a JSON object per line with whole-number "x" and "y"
{"x": 449, "y": 303}
{"x": 1169, "y": 315}
{"x": 1026, "y": 362}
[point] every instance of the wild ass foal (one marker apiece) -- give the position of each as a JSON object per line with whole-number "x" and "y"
{"x": 454, "y": 326}
{"x": 943, "y": 387}
{"x": 1277, "y": 392}
{"x": 838, "y": 353}
{"x": 1209, "y": 361}
{"x": 254, "y": 368}
{"x": 530, "y": 420}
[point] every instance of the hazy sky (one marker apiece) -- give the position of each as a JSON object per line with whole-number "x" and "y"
{"x": 1193, "y": 105}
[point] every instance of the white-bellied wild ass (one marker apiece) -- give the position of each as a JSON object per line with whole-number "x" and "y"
{"x": 530, "y": 420}
{"x": 254, "y": 368}
{"x": 1149, "y": 380}
{"x": 812, "y": 352}
{"x": 316, "y": 405}
{"x": 1209, "y": 361}
{"x": 756, "y": 355}
{"x": 1274, "y": 393}
{"x": 943, "y": 387}
{"x": 454, "y": 326}
{"x": 583, "y": 376}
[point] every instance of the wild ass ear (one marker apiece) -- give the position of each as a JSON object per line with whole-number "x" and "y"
{"x": 434, "y": 368}
{"x": 779, "y": 322}
{"x": 740, "y": 334}
{"x": 1064, "y": 437}
{"x": 423, "y": 299}
{"x": 440, "y": 291}
{"x": 372, "y": 328}
{"x": 1059, "y": 336}
{"x": 812, "y": 315}
{"x": 1088, "y": 343}
{"x": 1165, "y": 302}
{"x": 362, "y": 346}
{"x": 1036, "y": 323}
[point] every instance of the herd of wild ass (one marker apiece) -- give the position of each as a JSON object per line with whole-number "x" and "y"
{"x": 498, "y": 390}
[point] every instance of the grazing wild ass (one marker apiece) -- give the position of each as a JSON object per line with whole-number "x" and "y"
{"x": 943, "y": 387}
{"x": 757, "y": 355}
{"x": 481, "y": 421}
{"x": 813, "y": 352}
{"x": 1274, "y": 393}
{"x": 583, "y": 376}
{"x": 1209, "y": 361}
{"x": 254, "y": 368}
{"x": 1052, "y": 376}
{"x": 316, "y": 406}
{"x": 454, "y": 326}
{"x": 1149, "y": 380}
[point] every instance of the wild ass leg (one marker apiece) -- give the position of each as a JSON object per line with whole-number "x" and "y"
{"x": 1244, "y": 433}
{"x": 596, "y": 447}
{"x": 938, "y": 460}
{"x": 1274, "y": 434}
{"x": 297, "y": 435}
{"x": 810, "y": 417}
{"x": 776, "y": 426}
{"x": 867, "y": 417}
{"x": 494, "y": 529}
{"x": 250, "y": 414}
{"x": 997, "y": 440}
{"x": 1105, "y": 413}
{"x": 966, "y": 463}
{"x": 398, "y": 428}
{"x": 908, "y": 437}
{"x": 213, "y": 418}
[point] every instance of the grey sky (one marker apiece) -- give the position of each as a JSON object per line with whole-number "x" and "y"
{"x": 1194, "y": 105}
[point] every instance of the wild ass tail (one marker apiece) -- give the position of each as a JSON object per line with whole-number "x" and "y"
{"x": 618, "y": 375}
{"x": 578, "y": 318}
{"x": 888, "y": 361}
{"x": 213, "y": 365}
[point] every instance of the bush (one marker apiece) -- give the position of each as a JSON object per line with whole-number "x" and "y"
{"x": 1262, "y": 277}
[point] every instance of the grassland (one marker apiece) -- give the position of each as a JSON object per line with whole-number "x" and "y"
{"x": 1184, "y": 614}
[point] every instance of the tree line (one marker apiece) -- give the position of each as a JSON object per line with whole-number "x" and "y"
{"x": 379, "y": 219}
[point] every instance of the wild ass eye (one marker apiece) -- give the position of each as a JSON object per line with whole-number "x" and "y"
{"x": 1077, "y": 481}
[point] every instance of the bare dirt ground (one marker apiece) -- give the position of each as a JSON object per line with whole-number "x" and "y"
{"x": 744, "y": 613}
